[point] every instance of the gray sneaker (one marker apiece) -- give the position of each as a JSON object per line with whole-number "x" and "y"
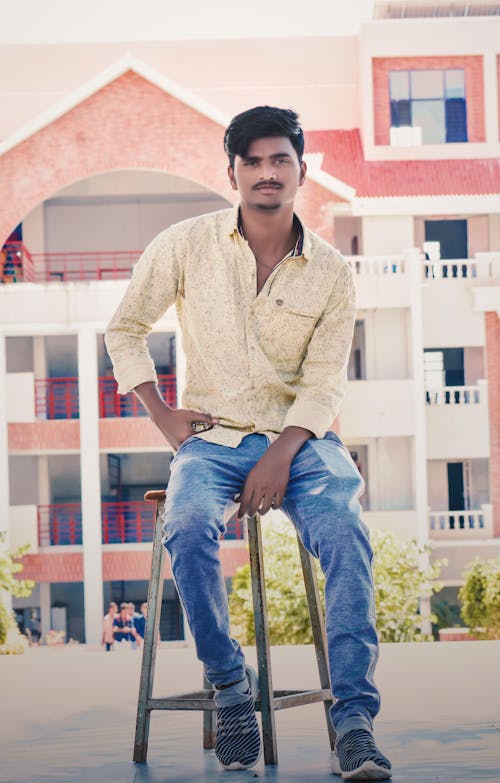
{"x": 356, "y": 757}
{"x": 237, "y": 742}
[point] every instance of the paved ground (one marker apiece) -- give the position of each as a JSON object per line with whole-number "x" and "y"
{"x": 68, "y": 716}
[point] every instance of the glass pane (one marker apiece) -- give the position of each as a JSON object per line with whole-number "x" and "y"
{"x": 399, "y": 85}
{"x": 455, "y": 83}
{"x": 434, "y": 369}
{"x": 427, "y": 84}
{"x": 429, "y": 115}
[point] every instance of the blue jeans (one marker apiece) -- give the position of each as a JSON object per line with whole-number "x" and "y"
{"x": 322, "y": 502}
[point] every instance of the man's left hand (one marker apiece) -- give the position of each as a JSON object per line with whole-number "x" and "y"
{"x": 266, "y": 484}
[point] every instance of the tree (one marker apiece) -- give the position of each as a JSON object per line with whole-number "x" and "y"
{"x": 10, "y": 639}
{"x": 400, "y": 581}
{"x": 480, "y": 597}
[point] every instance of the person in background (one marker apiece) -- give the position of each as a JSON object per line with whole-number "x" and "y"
{"x": 107, "y": 626}
{"x": 140, "y": 621}
{"x": 123, "y": 629}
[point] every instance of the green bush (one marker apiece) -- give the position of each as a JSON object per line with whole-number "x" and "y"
{"x": 480, "y": 597}
{"x": 400, "y": 574}
{"x": 20, "y": 588}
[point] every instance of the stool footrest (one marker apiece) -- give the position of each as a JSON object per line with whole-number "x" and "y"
{"x": 203, "y": 700}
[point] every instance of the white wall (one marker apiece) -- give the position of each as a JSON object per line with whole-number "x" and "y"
{"x": 386, "y": 340}
{"x": 437, "y": 484}
{"x": 458, "y": 431}
{"x": 377, "y": 408}
{"x": 448, "y": 318}
{"x": 387, "y": 234}
{"x": 24, "y": 527}
{"x": 19, "y": 352}
{"x": 110, "y": 223}
{"x": 20, "y": 396}
{"x": 23, "y": 480}
{"x": 390, "y": 472}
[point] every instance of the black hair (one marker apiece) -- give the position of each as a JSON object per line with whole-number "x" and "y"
{"x": 258, "y": 123}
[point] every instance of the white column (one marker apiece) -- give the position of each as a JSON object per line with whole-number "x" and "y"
{"x": 6, "y": 598}
{"x": 413, "y": 261}
{"x": 90, "y": 484}
{"x": 490, "y": 97}
{"x": 45, "y": 619}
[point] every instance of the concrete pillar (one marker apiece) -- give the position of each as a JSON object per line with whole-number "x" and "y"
{"x": 44, "y": 496}
{"x": 40, "y": 371}
{"x": 491, "y": 96}
{"x": 90, "y": 484}
{"x": 413, "y": 261}
{"x": 492, "y": 329}
{"x": 6, "y": 598}
{"x": 45, "y": 619}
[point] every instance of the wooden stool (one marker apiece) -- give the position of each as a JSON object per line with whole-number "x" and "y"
{"x": 269, "y": 700}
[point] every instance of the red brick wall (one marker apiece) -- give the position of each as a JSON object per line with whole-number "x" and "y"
{"x": 474, "y": 90}
{"x": 118, "y": 433}
{"x": 122, "y": 564}
{"x": 493, "y": 374}
{"x": 53, "y": 567}
{"x": 137, "y": 565}
{"x": 40, "y": 435}
{"x": 128, "y": 124}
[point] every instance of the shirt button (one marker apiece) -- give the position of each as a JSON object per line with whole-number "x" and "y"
{"x": 279, "y": 301}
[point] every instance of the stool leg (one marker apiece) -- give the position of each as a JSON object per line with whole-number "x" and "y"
{"x": 209, "y": 722}
{"x": 155, "y": 592}
{"x": 262, "y": 640}
{"x": 318, "y": 629}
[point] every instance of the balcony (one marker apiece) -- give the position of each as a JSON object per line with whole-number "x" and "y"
{"x": 381, "y": 281}
{"x": 125, "y": 522}
{"x": 57, "y": 398}
{"x": 461, "y": 525}
{"x": 457, "y": 422}
{"x": 64, "y": 267}
{"x": 483, "y": 265}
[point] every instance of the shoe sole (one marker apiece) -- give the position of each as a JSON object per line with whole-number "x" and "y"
{"x": 367, "y": 771}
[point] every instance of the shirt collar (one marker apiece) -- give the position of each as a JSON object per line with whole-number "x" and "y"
{"x": 304, "y": 243}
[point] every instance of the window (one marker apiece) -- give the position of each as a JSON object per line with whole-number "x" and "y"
{"x": 431, "y": 100}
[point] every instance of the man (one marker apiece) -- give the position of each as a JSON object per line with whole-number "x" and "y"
{"x": 266, "y": 309}
{"x": 107, "y": 626}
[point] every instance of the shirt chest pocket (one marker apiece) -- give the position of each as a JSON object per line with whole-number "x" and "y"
{"x": 284, "y": 329}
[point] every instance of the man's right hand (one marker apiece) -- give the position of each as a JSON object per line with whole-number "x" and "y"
{"x": 175, "y": 424}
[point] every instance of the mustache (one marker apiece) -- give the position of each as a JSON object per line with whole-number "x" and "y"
{"x": 268, "y": 184}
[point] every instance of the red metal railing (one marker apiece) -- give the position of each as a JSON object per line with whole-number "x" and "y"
{"x": 57, "y": 398}
{"x": 123, "y": 522}
{"x": 112, "y": 404}
{"x": 105, "y": 265}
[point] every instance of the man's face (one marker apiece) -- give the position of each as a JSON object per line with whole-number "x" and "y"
{"x": 268, "y": 177}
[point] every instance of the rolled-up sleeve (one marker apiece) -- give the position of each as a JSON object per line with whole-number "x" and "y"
{"x": 324, "y": 368}
{"x": 151, "y": 291}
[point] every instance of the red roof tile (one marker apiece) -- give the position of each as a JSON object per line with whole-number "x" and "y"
{"x": 343, "y": 159}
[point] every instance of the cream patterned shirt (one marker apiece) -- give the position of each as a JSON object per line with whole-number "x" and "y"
{"x": 259, "y": 363}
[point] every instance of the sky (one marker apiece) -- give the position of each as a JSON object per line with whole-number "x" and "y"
{"x": 73, "y": 21}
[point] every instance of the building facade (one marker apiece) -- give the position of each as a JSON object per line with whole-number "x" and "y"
{"x": 403, "y": 144}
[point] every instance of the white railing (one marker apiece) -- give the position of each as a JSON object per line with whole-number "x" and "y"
{"x": 469, "y": 523}
{"x": 453, "y": 395}
{"x": 482, "y": 265}
{"x": 377, "y": 265}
